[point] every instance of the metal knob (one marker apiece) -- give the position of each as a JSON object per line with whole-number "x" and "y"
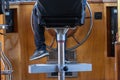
{"x": 65, "y": 68}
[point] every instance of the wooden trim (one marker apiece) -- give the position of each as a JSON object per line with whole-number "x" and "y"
{"x": 2, "y": 42}
{"x": 1, "y": 19}
{"x": 119, "y": 20}
{"x": 23, "y": 3}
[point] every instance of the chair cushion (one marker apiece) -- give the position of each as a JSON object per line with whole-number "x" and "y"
{"x": 58, "y": 13}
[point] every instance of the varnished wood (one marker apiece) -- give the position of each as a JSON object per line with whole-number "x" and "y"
{"x": 109, "y": 60}
{"x": 117, "y": 61}
{"x": 2, "y": 46}
{"x": 12, "y": 51}
{"x": 23, "y": 20}
{"x": 1, "y": 36}
{"x": 93, "y": 51}
{"x": 109, "y": 68}
{"x": 117, "y": 47}
{"x": 1, "y": 19}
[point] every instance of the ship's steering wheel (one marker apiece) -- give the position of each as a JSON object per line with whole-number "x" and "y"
{"x": 4, "y": 6}
{"x": 51, "y": 45}
{"x": 71, "y": 33}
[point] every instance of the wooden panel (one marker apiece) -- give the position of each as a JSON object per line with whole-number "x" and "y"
{"x": 92, "y": 51}
{"x": 12, "y": 51}
{"x": 1, "y": 19}
{"x": 109, "y": 60}
{"x": 109, "y": 68}
{"x": 24, "y": 27}
{"x": 1, "y": 22}
{"x": 117, "y": 61}
{"x": 2, "y": 41}
{"x": 117, "y": 47}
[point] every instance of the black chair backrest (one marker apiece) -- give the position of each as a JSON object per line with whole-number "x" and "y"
{"x": 61, "y": 13}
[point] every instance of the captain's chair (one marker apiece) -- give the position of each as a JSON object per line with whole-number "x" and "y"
{"x": 62, "y": 13}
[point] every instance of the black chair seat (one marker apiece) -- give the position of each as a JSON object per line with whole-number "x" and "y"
{"x": 61, "y": 21}
{"x": 62, "y": 13}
